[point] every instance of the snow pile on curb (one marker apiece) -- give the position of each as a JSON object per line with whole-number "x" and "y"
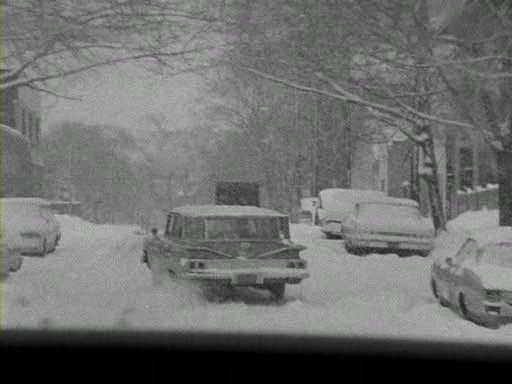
{"x": 472, "y": 220}
{"x": 447, "y": 243}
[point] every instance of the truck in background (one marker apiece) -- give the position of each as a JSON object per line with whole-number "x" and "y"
{"x": 237, "y": 193}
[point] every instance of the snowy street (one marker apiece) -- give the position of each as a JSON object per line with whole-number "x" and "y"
{"x": 95, "y": 279}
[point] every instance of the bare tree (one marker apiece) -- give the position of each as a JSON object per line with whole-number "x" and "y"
{"x": 49, "y": 40}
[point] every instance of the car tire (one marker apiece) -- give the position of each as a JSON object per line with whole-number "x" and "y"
{"x": 44, "y": 251}
{"x": 433, "y": 287}
{"x": 54, "y": 247}
{"x": 277, "y": 290}
{"x": 357, "y": 251}
{"x": 463, "y": 307}
{"x": 18, "y": 265}
{"x": 435, "y": 292}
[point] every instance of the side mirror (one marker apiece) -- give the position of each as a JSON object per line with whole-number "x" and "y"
{"x": 154, "y": 231}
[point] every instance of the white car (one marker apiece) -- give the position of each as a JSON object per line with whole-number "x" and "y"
{"x": 10, "y": 259}
{"x": 34, "y": 221}
{"x": 336, "y": 204}
{"x": 390, "y": 224}
{"x": 475, "y": 278}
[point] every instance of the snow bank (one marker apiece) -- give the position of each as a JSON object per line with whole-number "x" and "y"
{"x": 472, "y": 220}
{"x": 447, "y": 243}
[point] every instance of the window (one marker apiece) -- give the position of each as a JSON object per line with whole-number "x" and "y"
{"x": 194, "y": 228}
{"x": 168, "y": 224}
{"x": 176, "y": 228}
{"x": 23, "y": 122}
{"x": 466, "y": 252}
{"x": 38, "y": 130}
{"x": 30, "y": 126}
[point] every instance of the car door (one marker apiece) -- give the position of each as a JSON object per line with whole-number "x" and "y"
{"x": 455, "y": 272}
{"x": 441, "y": 274}
{"x": 174, "y": 235}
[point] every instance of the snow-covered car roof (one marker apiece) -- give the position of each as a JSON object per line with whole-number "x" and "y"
{"x": 491, "y": 235}
{"x": 388, "y": 200}
{"x": 225, "y": 211}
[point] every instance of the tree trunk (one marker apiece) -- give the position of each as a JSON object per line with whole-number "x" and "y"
{"x": 504, "y": 160}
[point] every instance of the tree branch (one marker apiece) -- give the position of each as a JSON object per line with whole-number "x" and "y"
{"x": 74, "y": 71}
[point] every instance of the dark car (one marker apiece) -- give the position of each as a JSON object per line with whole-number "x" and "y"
{"x": 228, "y": 246}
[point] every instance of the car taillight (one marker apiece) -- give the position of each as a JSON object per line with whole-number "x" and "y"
{"x": 296, "y": 264}
{"x": 194, "y": 264}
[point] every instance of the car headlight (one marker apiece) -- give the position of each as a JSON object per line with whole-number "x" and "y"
{"x": 492, "y": 295}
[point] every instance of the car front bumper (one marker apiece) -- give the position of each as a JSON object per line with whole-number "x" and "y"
{"x": 391, "y": 242}
{"x": 501, "y": 311}
{"x": 245, "y": 277}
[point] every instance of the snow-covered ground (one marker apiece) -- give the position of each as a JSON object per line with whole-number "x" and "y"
{"x": 95, "y": 280}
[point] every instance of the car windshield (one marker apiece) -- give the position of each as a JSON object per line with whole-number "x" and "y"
{"x": 497, "y": 254}
{"x": 243, "y": 228}
{"x": 379, "y": 210}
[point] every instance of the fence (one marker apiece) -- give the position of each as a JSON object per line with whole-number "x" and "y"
{"x": 474, "y": 201}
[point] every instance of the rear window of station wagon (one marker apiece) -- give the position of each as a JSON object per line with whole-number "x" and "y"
{"x": 228, "y": 228}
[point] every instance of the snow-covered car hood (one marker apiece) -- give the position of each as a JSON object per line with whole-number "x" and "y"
{"x": 494, "y": 277}
{"x": 23, "y": 225}
{"x": 395, "y": 224}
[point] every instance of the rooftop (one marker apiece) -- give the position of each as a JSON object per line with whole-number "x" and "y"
{"x": 225, "y": 211}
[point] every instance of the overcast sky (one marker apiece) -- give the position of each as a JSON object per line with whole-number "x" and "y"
{"x": 122, "y": 96}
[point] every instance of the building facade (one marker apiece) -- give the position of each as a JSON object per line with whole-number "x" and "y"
{"x": 21, "y": 111}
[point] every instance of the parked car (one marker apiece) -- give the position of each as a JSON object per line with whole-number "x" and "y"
{"x": 34, "y": 221}
{"x": 10, "y": 259}
{"x": 476, "y": 279}
{"x": 226, "y": 246}
{"x": 336, "y": 204}
{"x": 390, "y": 224}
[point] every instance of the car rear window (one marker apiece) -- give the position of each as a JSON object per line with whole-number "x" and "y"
{"x": 244, "y": 228}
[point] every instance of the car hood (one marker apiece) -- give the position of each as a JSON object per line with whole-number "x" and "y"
{"x": 390, "y": 224}
{"x": 494, "y": 277}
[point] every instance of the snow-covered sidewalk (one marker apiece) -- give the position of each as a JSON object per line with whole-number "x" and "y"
{"x": 95, "y": 280}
